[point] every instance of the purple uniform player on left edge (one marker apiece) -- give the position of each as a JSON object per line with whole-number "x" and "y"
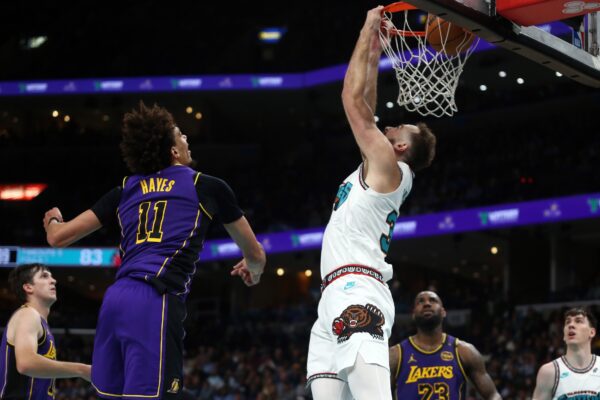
{"x": 164, "y": 210}
{"x": 28, "y": 365}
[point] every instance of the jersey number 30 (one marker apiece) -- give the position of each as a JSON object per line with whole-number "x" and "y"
{"x": 155, "y": 235}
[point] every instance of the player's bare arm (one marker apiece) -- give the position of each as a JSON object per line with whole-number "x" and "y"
{"x": 250, "y": 268}
{"x": 383, "y": 172}
{"x": 25, "y": 328}
{"x": 474, "y": 366}
{"x": 544, "y": 383}
{"x": 63, "y": 234}
{"x": 375, "y": 50}
{"x": 394, "y": 364}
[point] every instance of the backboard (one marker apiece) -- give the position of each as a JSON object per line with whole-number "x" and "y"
{"x": 511, "y": 24}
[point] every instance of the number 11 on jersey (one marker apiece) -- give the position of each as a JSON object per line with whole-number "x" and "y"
{"x": 155, "y": 235}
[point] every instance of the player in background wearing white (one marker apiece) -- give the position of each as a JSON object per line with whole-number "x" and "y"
{"x": 576, "y": 375}
{"x": 348, "y": 351}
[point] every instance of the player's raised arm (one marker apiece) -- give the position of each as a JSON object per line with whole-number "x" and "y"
{"x": 476, "y": 372}
{"x": 358, "y": 98}
{"x": 544, "y": 383}
{"x": 63, "y": 234}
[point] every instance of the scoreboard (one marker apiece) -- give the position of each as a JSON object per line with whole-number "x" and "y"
{"x": 69, "y": 257}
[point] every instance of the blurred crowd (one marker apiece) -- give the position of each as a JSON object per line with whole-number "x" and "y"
{"x": 262, "y": 356}
{"x": 482, "y": 158}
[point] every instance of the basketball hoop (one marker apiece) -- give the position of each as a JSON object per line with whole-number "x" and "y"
{"x": 427, "y": 76}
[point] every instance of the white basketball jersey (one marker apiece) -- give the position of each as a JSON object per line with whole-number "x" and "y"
{"x": 361, "y": 224}
{"x": 573, "y": 383}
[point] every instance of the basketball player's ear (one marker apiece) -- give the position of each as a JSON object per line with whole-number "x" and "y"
{"x": 444, "y": 312}
{"x": 28, "y": 288}
{"x": 593, "y": 333}
{"x": 174, "y": 153}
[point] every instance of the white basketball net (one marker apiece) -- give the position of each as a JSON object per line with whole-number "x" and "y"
{"x": 427, "y": 78}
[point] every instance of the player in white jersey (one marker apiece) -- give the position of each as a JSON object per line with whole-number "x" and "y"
{"x": 348, "y": 351}
{"x": 576, "y": 375}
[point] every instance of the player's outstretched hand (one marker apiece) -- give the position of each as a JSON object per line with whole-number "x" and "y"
{"x": 373, "y": 20}
{"x": 241, "y": 269}
{"x": 52, "y": 214}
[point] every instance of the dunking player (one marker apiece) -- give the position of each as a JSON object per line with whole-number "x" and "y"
{"x": 164, "y": 210}
{"x": 28, "y": 364}
{"x": 348, "y": 351}
{"x": 576, "y": 375}
{"x": 433, "y": 363}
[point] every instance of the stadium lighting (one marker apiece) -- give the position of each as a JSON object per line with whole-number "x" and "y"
{"x": 67, "y": 118}
{"x": 389, "y": 104}
{"x": 520, "y": 81}
{"x": 24, "y": 191}
{"x": 198, "y": 115}
{"x": 55, "y": 113}
{"x": 308, "y": 273}
{"x": 271, "y": 35}
{"x": 483, "y": 88}
{"x": 280, "y": 271}
{"x": 34, "y": 42}
{"x": 189, "y": 110}
{"x": 376, "y": 118}
{"x": 502, "y": 74}
{"x": 494, "y": 250}
{"x": 558, "y": 74}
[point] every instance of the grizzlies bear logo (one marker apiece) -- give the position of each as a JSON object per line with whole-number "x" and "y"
{"x": 357, "y": 318}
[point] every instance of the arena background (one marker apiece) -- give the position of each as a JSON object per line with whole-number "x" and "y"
{"x": 284, "y": 152}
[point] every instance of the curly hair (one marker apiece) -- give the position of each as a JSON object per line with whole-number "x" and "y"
{"x": 147, "y": 139}
{"x": 422, "y": 148}
{"x": 21, "y": 275}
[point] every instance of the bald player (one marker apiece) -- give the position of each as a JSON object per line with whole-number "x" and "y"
{"x": 433, "y": 364}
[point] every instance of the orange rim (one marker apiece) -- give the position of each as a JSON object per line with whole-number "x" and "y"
{"x": 399, "y": 7}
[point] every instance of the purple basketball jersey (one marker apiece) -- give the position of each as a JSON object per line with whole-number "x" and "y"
{"x": 16, "y": 386}
{"x": 160, "y": 218}
{"x": 430, "y": 375}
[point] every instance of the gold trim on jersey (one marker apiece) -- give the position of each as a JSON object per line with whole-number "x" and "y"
{"x": 205, "y": 212}
{"x": 31, "y": 388}
{"x": 42, "y": 340}
{"x": 399, "y": 361}
{"x": 200, "y": 203}
{"x": 160, "y": 361}
{"x": 458, "y": 361}
{"x": 122, "y": 235}
{"x": 420, "y": 350}
{"x": 183, "y": 244}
